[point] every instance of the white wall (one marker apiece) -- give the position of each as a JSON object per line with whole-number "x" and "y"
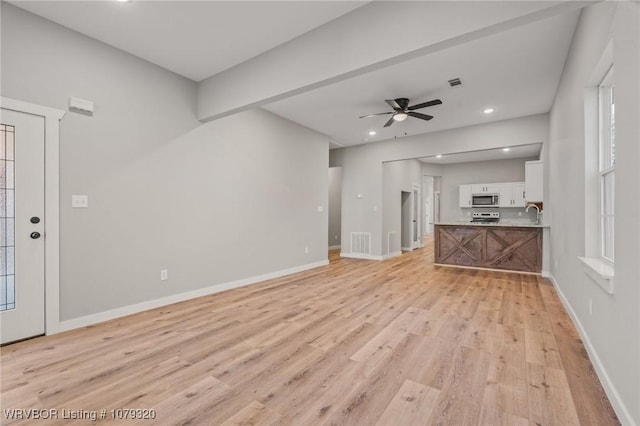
{"x": 335, "y": 205}
{"x": 362, "y": 165}
{"x": 212, "y": 203}
{"x": 612, "y": 332}
{"x": 397, "y": 176}
{"x": 453, "y": 175}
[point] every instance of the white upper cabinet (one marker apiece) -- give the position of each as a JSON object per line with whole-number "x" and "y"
{"x": 533, "y": 173}
{"x": 512, "y": 194}
{"x": 485, "y": 188}
{"x": 506, "y": 195}
{"x": 465, "y": 195}
{"x": 519, "y": 195}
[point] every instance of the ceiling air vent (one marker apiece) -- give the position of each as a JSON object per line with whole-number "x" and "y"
{"x": 455, "y": 82}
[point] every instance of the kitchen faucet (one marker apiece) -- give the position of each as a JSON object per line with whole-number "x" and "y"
{"x": 538, "y": 212}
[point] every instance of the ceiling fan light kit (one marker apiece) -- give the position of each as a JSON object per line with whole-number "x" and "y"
{"x": 402, "y": 110}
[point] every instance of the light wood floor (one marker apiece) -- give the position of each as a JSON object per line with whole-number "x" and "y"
{"x": 398, "y": 342}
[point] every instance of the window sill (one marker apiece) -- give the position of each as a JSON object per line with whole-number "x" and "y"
{"x": 599, "y": 271}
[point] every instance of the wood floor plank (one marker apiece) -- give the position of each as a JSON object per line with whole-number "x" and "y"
{"x": 541, "y": 348}
{"x": 187, "y": 405}
{"x": 357, "y": 342}
{"x": 550, "y": 400}
{"x": 254, "y": 414}
{"x": 412, "y": 405}
{"x": 379, "y": 349}
{"x": 460, "y": 400}
{"x": 367, "y": 397}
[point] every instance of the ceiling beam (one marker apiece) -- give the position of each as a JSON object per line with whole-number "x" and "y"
{"x": 374, "y": 36}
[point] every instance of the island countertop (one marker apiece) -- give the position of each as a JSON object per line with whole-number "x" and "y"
{"x": 502, "y": 223}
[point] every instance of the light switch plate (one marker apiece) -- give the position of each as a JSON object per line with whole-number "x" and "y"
{"x": 320, "y": 209}
{"x": 79, "y": 201}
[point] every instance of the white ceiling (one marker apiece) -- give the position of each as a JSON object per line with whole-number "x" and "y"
{"x": 195, "y": 39}
{"x": 521, "y": 151}
{"x": 516, "y": 71}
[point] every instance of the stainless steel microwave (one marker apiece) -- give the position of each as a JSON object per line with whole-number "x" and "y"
{"x": 485, "y": 200}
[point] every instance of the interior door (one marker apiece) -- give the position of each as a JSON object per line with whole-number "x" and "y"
{"x": 417, "y": 235}
{"x": 21, "y": 225}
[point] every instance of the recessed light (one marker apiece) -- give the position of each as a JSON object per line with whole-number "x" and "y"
{"x": 439, "y": 156}
{"x": 506, "y": 149}
{"x": 372, "y": 132}
{"x": 488, "y": 110}
{"x": 122, "y": 1}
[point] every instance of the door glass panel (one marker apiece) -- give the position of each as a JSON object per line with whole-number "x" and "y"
{"x": 7, "y": 214}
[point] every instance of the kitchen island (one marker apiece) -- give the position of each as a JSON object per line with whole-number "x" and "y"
{"x": 505, "y": 246}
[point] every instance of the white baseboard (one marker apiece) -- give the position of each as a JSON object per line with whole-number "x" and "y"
{"x": 392, "y": 254}
{"x": 360, "y": 256}
{"x": 406, "y": 248}
{"x": 335, "y": 247}
{"x": 619, "y": 407}
{"x": 370, "y": 257}
{"x": 180, "y": 297}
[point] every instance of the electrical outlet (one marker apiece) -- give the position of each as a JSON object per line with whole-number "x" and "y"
{"x": 306, "y": 250}
{"x": 590, "y": 306}
{"x": 519, "y": 213}
{"x": 335, "y": 237}
{"x": 164, "y": 275}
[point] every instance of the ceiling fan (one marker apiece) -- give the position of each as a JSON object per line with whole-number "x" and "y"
{"x": 402, "y": 110}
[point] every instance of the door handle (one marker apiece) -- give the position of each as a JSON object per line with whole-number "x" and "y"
{"x": 35, "y": 235}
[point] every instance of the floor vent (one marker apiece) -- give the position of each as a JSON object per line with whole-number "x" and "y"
{"x": 361, "y": 243}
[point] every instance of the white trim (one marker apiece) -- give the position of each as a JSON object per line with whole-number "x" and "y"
{"x": 600, "y": 271}
{"x": 175, "y": 298}
{"x": 407, "y": 248}
{"x": 619, "y": 407}
{"x": 370, "y": 257}
{"x": 52, "y": 119}
{"x": 335, "y": 247}
{"x": 360, "y": 256}
{"x": 390, "y": 255}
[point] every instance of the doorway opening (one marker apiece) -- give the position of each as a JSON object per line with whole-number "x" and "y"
{"x": 406, "y": 223}
{"x": 335, "y": 208}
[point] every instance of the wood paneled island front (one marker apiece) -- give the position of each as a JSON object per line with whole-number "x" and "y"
{"x": 494, "y": 246}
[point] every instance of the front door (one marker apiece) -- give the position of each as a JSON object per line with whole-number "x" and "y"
{"x": 21, "y": 225}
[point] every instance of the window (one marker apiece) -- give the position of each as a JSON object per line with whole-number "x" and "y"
{"x": 607, "y": 143}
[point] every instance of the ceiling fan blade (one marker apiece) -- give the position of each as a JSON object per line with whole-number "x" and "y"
{"x": 425, "y": 104}
{"x": 390, "y": 122}
{"x": 380, "y": 113}
{"x": 393, "y": 104}
{"x": 418, "y": 115}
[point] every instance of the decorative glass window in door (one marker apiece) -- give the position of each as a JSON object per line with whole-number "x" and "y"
{"x": 7, "y": 218}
